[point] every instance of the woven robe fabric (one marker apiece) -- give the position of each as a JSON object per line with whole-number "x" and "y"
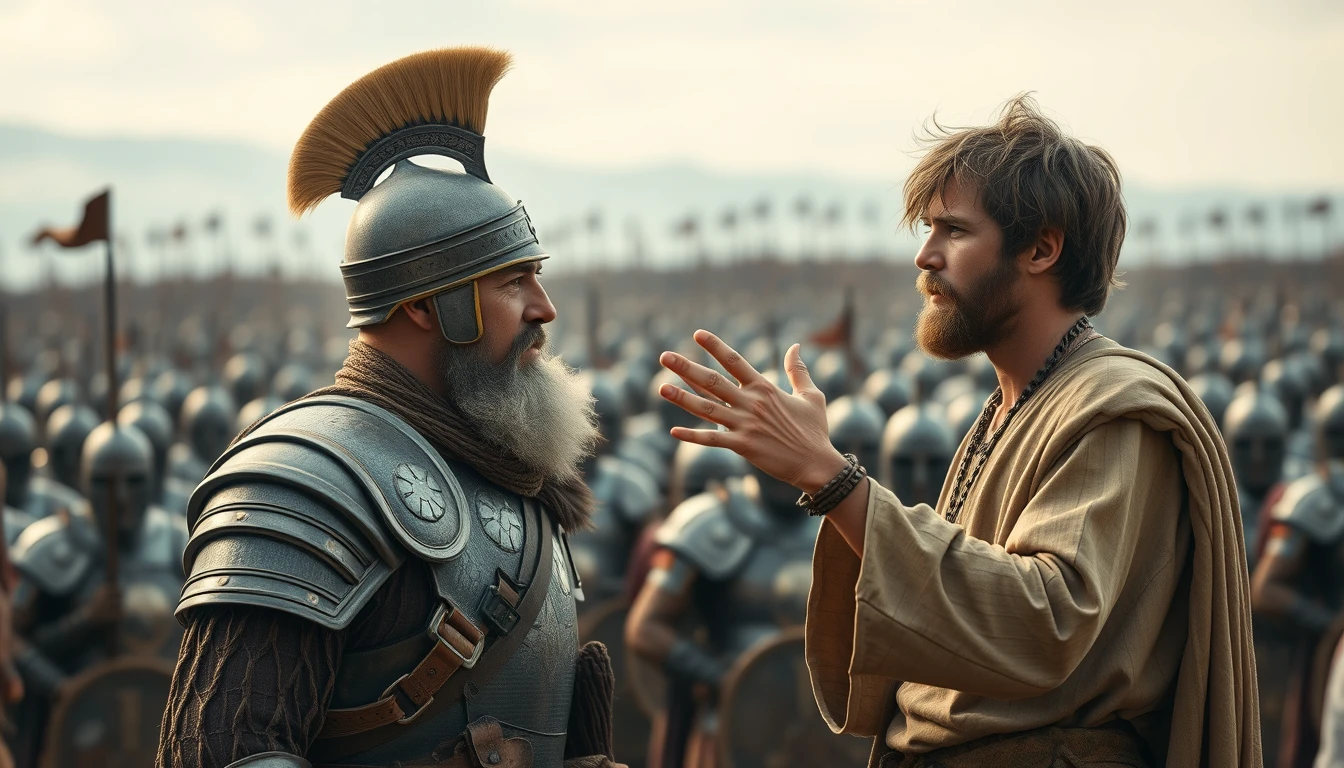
{"x": 1097, "y": 570}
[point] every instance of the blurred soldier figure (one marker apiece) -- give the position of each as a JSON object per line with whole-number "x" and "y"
{"x": 917, "y": 450}
{"x": 1256, "y": 431}
{"x": 66, "y": 610}
{"x": 207, "y": 427}
{"x": 11, "y": 684}
{"x": 1216, "y": 392}
{"x": 855, "y": 426}
{"x": 35, "y": 497}
{"x": 1299, "y": 581}
{"x": 171, "y": 388}
{"x": 245, "y": 377}
{"x": 889, "y": 389}
{"x": 627, "y": 497}
{"x": 67, "y": 429}
{"x": 292, "y": 382}
{"x": 700, "y": 468}
{"x": 739, "y": 559}
{"x": 155, "y": 422}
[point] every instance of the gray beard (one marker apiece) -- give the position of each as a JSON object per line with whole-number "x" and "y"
{"x": 540, "y": 411}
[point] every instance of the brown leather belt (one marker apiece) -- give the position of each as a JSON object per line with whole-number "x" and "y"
{"x": 458, "y": 644}
{"x": 482, "y": 746}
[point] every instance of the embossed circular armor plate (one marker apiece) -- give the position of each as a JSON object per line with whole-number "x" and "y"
{"x": 420, "y": 492}
{"x": 502, "y": 524}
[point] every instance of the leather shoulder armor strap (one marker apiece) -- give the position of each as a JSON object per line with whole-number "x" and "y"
{"x": 462, "y": 654}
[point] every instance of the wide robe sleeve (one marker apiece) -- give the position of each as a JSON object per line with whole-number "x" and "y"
{"x": 929, "y": 604}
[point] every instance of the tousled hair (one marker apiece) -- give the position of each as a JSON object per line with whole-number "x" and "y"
{"x": 1030, "y": 176}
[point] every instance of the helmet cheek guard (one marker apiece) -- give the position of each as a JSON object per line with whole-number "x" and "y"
{"x": 459, "y": 311}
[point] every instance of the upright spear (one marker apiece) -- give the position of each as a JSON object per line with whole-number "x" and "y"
{"x": 95, "y": 226}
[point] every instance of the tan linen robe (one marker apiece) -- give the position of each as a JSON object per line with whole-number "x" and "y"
{"x": 1097, "y": 570}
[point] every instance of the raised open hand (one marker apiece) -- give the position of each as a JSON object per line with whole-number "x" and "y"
{"x": 783, "y": 434}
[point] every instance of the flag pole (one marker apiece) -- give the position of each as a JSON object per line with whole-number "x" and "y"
{"x": 113, "y": 505}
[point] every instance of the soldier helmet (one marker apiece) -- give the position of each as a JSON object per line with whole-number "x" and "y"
{"x": 831, "y": 373}
{"x": 118, "y": 463}
{"x": 1215, "y": 391}
{"x": 608, "y": 403}
{"x": 207, "y": 422}
{"x": 254, "y": 410}
{"x": 917, "y": 449}
{"x": 856, "y": 427}
{"x": 889, "y": 388}
{"x": 696, "y": 466}
{"x": 67, "y": 429}
{"x": 153, "y": 420}
{"x": 671, "y": 414}
{"x": 291, "y": 382}
{"x": 171, "y": 389}
{"x": 245, "y": 377}
{"x": 1327, "y": 344}
{"x": 1328, "y": 423}
{"x": 964, "y": 411}
{"x": 1241, "y": 359}
{"x": 1289, "y": 383}
{"x": 18, "y": 440}
{"x": 422, "y": 232}
{"x": 53, "y": 395}
{"x": 1256, "y": 431}
{"x": 925, "y": 372}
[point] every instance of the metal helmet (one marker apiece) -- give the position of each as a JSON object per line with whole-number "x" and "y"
{"x": 207, "y": 422}
{"x": 1256, "y": 430}
{"x": 1327, "y": 344}
{"x": 917, "y": 450}
{"x": 925, "y": 372}
{"x": 67, "y": 429}
{"x": 1242, "y": 359}
{"x": 171, "y": 389}
{"x": 1328, "y": 423}
{"x": 982, "y": 370}
{"x": 157, "y": 425}
{"x": 135, "y": 388}
{"x": 855, "y": 427}
{"x": 53, "y": 395}
{"x": 18, "y": 440}
{"x": 421, "y": 232}
{"x": 952, "y": 387}
{"x": 1215, "y": 390}
{"x": 609, "y": 405}
{"x": 1289, "y": 384}
{"x": 889, "y": 388}
{"x": 631, "y": 379}
{"x": 291, "y": 382}
{"x": 245, "y": 377}
{"x": 696, "y": 466}
{"x": 831, "y": 373}
{"x": 118, "y": 464}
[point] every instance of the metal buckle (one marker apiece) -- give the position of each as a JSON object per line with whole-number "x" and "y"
{"x": 435, "y": 620}
{"x": 395, "y": 688}
{"x": 498, "y": 612}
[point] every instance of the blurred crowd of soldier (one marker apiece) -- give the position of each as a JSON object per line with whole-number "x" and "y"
{"x": 697, "y": 574}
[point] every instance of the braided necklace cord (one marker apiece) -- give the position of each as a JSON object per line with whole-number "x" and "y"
{"x": 979, "y": 450}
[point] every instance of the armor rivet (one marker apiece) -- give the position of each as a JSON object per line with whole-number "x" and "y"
{"x": 493, "y": 758}
{"x": 240, "y": 517}
{"x": 312, "y": 598}
{"x": 222, "y": 580}
{"x": 433, "y": 672}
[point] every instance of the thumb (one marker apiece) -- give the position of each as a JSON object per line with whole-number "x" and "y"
{"x": 796, "y": 370}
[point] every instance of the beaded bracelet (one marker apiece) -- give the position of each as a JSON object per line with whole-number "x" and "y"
{"x": 834, "y": 492}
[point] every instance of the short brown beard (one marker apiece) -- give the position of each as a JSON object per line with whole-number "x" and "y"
{"x": 979, "y": 317}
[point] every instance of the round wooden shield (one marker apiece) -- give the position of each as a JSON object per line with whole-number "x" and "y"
{"x": 768, "y": 718}
{"x": 109, "y": 715}
{"x": 631, "y": 727}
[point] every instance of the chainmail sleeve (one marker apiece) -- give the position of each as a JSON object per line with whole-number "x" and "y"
{"x": 248, "y": 680}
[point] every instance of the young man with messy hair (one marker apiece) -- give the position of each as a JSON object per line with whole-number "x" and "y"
{"x": 1078, "y": 596}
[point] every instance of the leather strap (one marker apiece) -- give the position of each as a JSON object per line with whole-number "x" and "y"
{"x": 439, "y": 679}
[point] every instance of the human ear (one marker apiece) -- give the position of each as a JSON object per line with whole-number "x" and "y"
{"x": 421, "y": 312}
{"x": 1046, "y": 250}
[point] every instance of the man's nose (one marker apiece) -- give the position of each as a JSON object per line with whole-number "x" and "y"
{"x": 930, "y": 256}
{"x": 539, "y": 308}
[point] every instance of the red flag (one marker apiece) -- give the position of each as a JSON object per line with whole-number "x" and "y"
{"x": 839, "y": 332}
{"x": 93, "y": 228}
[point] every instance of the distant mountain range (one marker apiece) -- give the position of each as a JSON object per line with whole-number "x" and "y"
{"x": 582, "y": 214}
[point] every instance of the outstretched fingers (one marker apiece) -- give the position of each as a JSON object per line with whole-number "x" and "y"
{"x": 704, "y": 380}
{"x": 696, "y": 405}
{"x": 728, "y": 357}
{"x": 710, "y": 437}
{"x": 796, "y": 371}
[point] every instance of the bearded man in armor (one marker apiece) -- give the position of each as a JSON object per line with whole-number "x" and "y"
{"x": 1298, "y": 585}
{"x": 378, "y": 573}
{"x": 738, "y": 559}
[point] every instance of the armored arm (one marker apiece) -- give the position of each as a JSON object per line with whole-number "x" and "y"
{"x": 1304, "y": 515}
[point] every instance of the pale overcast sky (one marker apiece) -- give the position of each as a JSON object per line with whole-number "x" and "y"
{"x": 1182, "y": 92}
